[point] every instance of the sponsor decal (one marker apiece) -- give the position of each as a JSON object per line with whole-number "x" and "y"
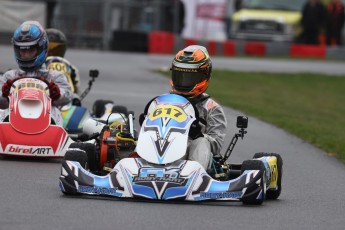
{"x": 159, "y": 175}
{"x": 30, "y": 94}
{"x": 221, "y": 195}
{"x": 185, "y": 70}
{"x": 273, "y": 172}
{"x": 97, "y": 190}
{"x": 28, "y": 150}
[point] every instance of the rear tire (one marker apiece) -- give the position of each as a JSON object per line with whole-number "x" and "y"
{"x": 274, "y": 194}
{"x": 90, "y": 150}
{"x": 255, "y": 165}
{"x": 98, "y": 107}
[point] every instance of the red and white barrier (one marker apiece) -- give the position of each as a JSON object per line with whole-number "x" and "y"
{"x": 169, "y": 43}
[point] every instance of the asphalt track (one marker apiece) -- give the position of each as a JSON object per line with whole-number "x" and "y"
{"x": 313, "y": 182}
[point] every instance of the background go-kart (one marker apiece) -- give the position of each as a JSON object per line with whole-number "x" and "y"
{"x": 313, "y": 183}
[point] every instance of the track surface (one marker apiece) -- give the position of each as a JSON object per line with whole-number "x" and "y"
{"x": 313, "y": 183}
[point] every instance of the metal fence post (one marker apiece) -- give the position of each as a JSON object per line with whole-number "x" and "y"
{"x": 107, "y": 9}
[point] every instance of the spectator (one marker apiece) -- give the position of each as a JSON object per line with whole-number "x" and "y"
{"x": 174, "y": 17}
{"x": 313, "y": 15}
{"x": 50, "y": 12}
{"x": 334, "y": 22}
{"x": 238, "y": 5}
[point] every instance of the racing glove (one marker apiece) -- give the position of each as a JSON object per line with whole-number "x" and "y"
{"x": 54, "y": 91}
{"x": 6, "y": 88}
{"x": 195, "y": 130}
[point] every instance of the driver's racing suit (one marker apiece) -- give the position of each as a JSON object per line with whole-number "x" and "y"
{"x": 70, "y": 70}
{"x": 214, "y": 130}
{"x": 50, "y": 75}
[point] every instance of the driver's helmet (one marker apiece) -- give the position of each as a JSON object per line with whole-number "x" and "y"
{"x": 30, "y": 43}
{"x": 57, "y": 42}
{"x": 191, "y": 71}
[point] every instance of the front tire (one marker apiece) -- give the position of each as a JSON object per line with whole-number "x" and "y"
{"x": 78, "y": 156}
{"x": 251, "y": 198}
{"x": 90, "y": 151}
{"x": 67, "y": 185}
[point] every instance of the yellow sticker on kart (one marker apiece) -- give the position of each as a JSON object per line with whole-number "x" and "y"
{"x": 272, "y": 162}
{"x": 168, "y": 111}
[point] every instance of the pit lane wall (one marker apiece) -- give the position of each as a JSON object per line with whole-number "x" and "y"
{"x": 168, "y": 43}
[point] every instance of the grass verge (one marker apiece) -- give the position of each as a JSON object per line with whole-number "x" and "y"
{"x": 310, "y": 106}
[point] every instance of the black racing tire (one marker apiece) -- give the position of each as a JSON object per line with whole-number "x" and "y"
{"x": 76, "y": 155}
{"x": 274, "y": 194}
{"x": 255, "y": 165}
{"x": 79, "y": 156}
{"x": 98, "y": 107}
{"x": 90, "y": 150}
{"x": 120, "y": 109}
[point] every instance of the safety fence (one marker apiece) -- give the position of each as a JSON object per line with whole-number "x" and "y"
{"x": 167, "y": 43}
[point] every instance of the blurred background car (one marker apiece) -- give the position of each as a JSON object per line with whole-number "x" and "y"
{"x": 268, "y": 20}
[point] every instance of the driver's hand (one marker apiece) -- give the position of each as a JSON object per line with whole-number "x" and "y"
{"x": 195, "y": 130}
{"x": 54, "y": 91}
{"x": 6, "y": 88}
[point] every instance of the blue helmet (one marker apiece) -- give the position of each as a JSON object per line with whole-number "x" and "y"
{"x": 30, "y": 37}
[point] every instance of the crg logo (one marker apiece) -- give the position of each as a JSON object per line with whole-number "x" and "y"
{"x": 159, "y": 175}
{"x": 159, "y": 172}
{"x": 28, "y": 150}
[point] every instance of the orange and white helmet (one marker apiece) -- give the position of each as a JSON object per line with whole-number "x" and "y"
{"x": 191, "y": 71}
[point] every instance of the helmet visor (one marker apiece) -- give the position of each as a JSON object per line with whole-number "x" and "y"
{"x": 186, "y": 81}
{"x": 56, "y": 49}
{"x": 26, "y": 53}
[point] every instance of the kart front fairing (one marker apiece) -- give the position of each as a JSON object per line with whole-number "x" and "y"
{"x": 30, "y": 106}
{"x": 181, "y": 180}
{"x": 163, "y": 136}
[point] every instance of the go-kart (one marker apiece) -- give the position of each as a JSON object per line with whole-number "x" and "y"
{"x": 157, "y": 172}
{"x": 29, "y": 127}
{"x": 74, "y": 114}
